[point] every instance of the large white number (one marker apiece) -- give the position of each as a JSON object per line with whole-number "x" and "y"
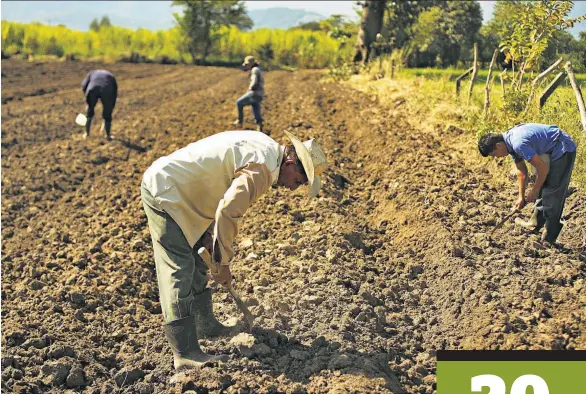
{"x": 497, "y": 386}
{"x": 522, "y": 382}
{"x": 493, "y": 382}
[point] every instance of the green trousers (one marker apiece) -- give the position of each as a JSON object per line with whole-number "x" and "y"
{"x": 181, "y": 273}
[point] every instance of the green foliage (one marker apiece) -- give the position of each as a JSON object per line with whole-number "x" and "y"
{"x": 111, "y": 41}
{"x": 201, "y": 21}
{"x": 265, "y": 53}
{"x": 342, "y": 71}
{"x": 336, "y": 26}
{"x": 313, "y": 26}
{"x": 431, "y": 92}
{"x": 515, "y": 101}
{"x": 534, "y": 28}
{"x": 400, "y": 18}
{"x": 434, "y": 33}
{"x": 294, "y": 48}
{"x": 105, "y": 22}
{"x": 500, "y": 26}
{"x": 95, "y": 25}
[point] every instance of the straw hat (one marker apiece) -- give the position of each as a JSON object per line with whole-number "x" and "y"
{"x": 313, "y": 159}
{"x": 249, "y": 60}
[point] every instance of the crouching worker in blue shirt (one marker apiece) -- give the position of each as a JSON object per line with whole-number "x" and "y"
{"x": 552, "y": 152}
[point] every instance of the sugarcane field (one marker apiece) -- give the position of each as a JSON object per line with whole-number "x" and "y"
{"x": 293, "y": 197}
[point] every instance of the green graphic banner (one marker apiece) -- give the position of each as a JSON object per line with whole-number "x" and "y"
{"x": 511, "y": 372}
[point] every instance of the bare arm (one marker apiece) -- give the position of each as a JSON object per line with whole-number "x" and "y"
{"x": 542, "y": 171}
{"x": 522, "y": 179}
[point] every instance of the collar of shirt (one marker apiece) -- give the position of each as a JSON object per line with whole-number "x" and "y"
{"x": 508, "y": 145}
{"x": 280, "y": 161}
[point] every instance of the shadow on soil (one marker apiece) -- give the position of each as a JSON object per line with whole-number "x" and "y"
{"x": 272, "y": 351}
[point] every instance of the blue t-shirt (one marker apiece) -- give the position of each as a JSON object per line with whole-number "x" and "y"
{"x": 529, "y": 139}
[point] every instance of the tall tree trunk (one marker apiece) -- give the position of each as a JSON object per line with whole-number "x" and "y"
{"x": 193, "y": 53}
{"x": 372, "y": 21}
{"x": 207, "y": 39}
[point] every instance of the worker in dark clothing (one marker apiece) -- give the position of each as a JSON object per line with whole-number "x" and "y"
{"x": 100, "y": 84}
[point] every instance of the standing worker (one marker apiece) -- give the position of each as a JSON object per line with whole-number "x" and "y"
{"x": 100, "y": 84}
{"x": 193, "y": 198}
{"x": 552, "y": 152}
{"x": 254, "y": 95}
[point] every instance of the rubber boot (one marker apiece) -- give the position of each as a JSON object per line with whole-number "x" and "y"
{"x": 108, "y": 128}
{"x": 207, "y": 323}
{"x": 551, "y": 237}
{"x": 182, "y": 337}
{"x": 88, "y": 125}
{"x": 531, "y": 224}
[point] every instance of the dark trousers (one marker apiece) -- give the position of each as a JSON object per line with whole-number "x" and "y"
{"x": 108, "y": 97}
{"x": 552, "y": 197}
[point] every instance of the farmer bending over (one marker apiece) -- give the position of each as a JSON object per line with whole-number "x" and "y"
{"x": 193, "y": 198}
{"x": 100, "y": 84}
{"x": 255, "y": 94}
{"x": 552, "y": 152}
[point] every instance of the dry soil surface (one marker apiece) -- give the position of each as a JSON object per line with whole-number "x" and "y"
{"x": 353, "y": 291}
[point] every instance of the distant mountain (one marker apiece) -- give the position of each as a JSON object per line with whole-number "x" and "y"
{"x": 281, "y": 17}
{"x": 152, "y": 15}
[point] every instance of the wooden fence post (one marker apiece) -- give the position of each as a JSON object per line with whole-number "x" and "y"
{"x": 502, "y": 77}
{"x": 474, "y": 72}
{"x": 537, "y": 80}
{"x": 460, "y": 78}
{"x": 577, "y": 92}
{"x": 550, "y": 89}
{"x": 488, "y": 82}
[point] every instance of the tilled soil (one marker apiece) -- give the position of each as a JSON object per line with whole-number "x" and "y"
{"x": 352, "y": 292}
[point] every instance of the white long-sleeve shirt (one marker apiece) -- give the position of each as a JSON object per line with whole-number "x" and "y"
{"x": 216, "y": 178}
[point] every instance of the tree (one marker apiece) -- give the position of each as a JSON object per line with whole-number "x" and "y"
{"x": 400, "y": 17}
{"x": 561, "y": 42}
{"x": 202, "y": 19}
{"x": 95, "y": 25}
{"x": 443, "y": 32}
{"x": 581, "y": 52}
{"x": 105, "y": 22}
{"x": 336, "y": 25}
{"x": 498, "y": 28}
{"x": 372, "y": 20}
{"x": 533, "y": 30}
{"x": 311, "y": 26}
